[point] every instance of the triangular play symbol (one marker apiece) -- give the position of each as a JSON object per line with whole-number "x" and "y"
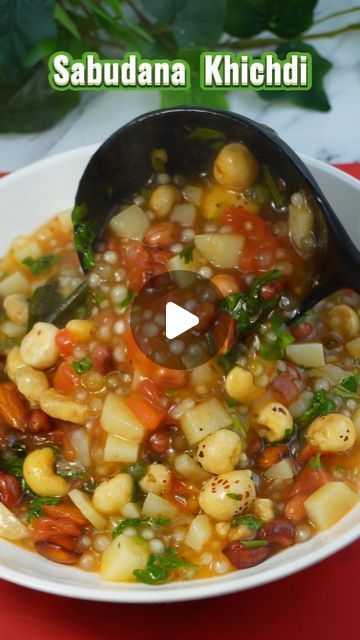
{"x": 178, "y": 320}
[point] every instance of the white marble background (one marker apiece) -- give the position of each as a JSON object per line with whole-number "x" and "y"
{"x": 332, "y": 137}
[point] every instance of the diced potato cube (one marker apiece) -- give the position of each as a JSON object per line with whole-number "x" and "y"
{"x": 203, "y": 419}
{"x": 203, "y": 374}
{"x": 83, "y": 502}
{"x": 193, "y": 194}
{"x": 221, "y": 249}
{"x": 187, "y": 467}
{"x": 156, "y": 507}
{"x": 353, "y": 347}
{"x": 131, "y": 510}
{"x": 185, "y": 214}
{"x": 132, "y": 222}
{"x": 199, "y": 532}
{"x": 217, "y": 199}
{"x": 283, "y": 470}
{"x": 11, "y": 527}
{"x": 183, "y": 271}
{"x": 118, "y": 419}
{"x": 329, "y": 504}
{"x": 120, "y": 450}
{"x": 308, "y": 354}
{"x": 122, "y": 557}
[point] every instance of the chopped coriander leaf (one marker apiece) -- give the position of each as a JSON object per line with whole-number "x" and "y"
{"x": 187, "y": 254}
{"x": 85, "y": 234}
{"x": 139, "y": 522}
{"x": 253, "y": 544}
{"x": 159, "y": 566}
{"x": 36, "y": 506}
{"x": 78, "y": 213}
{"x": 347, "y": 388}
{"x": 233, "y": 496}
{"x": 276, "y": 349}
{"x": 136, "y": 471}
{"x": 82, "y": 366}
{"x": 227, "y": 360}
{"x": 276, "y": 195}
{"x": 321, "y": 405}
{"x": 237, "y": 424}
{"x": 249, "y": 308}
{"x": 231, "y": 402}
{"x": 38, "y": 266}
{"x": 14, "y": 465}
{"x": 72, "y": 474}
{"x": 127, "y": 300}
{"x": 251, "y": 522}
{"x": 315, "y": 462}
{"x": 170, "y": 393}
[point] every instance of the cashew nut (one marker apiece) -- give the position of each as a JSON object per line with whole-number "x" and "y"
{"x": 14, "y": 362}
{"x": 58, "y": 406}
{"x": 40, "y": 476}
{"x": 333, "y": 433}
{"x": 273, "y": 421}
{"x": 344, "y": 320}
{"x": 31, "y": 383}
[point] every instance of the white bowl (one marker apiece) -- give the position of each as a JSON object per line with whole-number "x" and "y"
{"x": 28, "y": 198}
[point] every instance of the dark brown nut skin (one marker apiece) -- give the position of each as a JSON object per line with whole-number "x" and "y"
{"x": 160, "y": 440}
{"x": 163, "y": 234}
{"x": 10, "y": 490}
{"x": 295, "y": 509}
{"x": 39, "y": 422}
{"x": 280, "y": 533}
{"x": 271, "y": 456}
{"x": 242, "y": 557}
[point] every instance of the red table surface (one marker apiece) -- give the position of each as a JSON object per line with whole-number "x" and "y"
{"x": 320, "y": 602}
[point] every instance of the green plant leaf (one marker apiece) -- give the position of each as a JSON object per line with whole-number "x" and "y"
{"x": 66, "y": 21}
{"x": 315, "y": 98}
{"x": 195, "y": 95}
{"x": 246, "y": 18}
{"x": 35, "y": 106}
{"x": 32, "y": 20}
{"x": 191, "y": 23}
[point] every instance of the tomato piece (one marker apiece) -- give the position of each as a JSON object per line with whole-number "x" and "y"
{"x": 285, "y": 389}
{"x": 65, "y": 343}
{"x": 149, "y": 415}
{"x": 306, "y": 453}
{"x": 150, "y": 391}
{"x": 163, "y": 377}
{"x": 65, "y": 378}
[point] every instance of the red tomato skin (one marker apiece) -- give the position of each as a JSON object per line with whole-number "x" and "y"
{"x": 65, "y": 343}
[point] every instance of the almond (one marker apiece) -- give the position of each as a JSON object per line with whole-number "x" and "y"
{"x": 13, "y": 406}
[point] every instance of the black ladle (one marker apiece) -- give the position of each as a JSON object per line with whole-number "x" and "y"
{"x": 122, "y": 166}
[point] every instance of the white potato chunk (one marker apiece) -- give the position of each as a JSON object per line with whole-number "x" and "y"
{"x": 187, "y": 467}
{"x": 193, "y": 194}
{"x": 221, "y": 249}
{"x": 199, "y": 532}
{"x": 226, "y": 496}
{"x": 156, "y": 507}
{"x": 122, "y": 557}
{"x": 307, "y": 354}
{"x": 156, "y": 480}
{"x": 203, "y": 419}
{"x": 110, "y": 496}
{"x": 11, "y": 527}
{"x": 185, "y": 214}
{"x": 329, "y": 504}
{"x": 116, "y": 418}
{"x": 353, "y": 347}
{"x": 83, "y": 502}
{"x": 120, "y": 450}
{"x": 132, "y": 223}
{"x": 283, "y": 470}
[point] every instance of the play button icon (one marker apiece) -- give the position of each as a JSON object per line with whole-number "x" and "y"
{"x": 178, "y": 320}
